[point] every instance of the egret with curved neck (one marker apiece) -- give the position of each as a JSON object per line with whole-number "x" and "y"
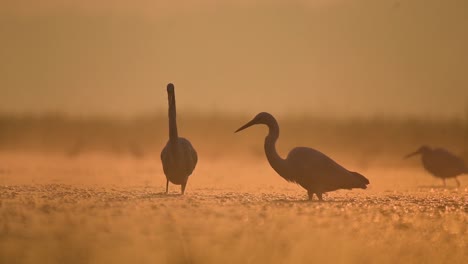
{"x": 178, "y": 157}
{"x": 311, "y": 169}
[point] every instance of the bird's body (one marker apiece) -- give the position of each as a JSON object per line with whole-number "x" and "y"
{"x": 318, "y": 173}
{"x": 310, "y": 168}
{"x": 441, "y": 163}
{"x": 178, "y": 157}
{"x": 179, "y": 160}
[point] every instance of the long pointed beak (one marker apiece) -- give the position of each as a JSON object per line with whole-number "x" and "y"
{"x": 411, "y": 154}
{"x": 249, "y": 124}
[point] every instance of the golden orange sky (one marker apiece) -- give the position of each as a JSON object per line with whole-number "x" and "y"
{"x": 338, "y": 57}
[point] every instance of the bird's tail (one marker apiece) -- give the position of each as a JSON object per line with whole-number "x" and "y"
{"x": 359, "y": 180}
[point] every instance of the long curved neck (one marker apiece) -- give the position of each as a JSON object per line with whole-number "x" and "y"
{"x": 173, "y": 135}
{"x": 276, "y": 162}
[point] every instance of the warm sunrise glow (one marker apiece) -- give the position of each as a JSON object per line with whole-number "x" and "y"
{"x": 233, "y": 131}
{"x": 352, "y": 58}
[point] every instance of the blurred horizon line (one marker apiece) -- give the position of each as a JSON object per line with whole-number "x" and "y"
{"x": 190, "y": 113}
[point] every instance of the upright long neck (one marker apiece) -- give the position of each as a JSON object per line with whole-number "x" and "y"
{"x": 173, "y": 135}
{"x": 276, "y": 162}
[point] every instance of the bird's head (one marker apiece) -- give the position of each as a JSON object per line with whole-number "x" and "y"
{"x": 170, "y": 88}
{"x": 262, "y": 118}
{"x": 422, "y": 150}
{"x": 170, "y": 93}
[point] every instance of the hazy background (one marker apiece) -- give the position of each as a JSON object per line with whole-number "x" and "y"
{"x": 83, "y": 120}
{"x": 333, "y": 57}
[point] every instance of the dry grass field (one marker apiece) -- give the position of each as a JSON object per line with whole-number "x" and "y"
{"x": 92, "y": 192}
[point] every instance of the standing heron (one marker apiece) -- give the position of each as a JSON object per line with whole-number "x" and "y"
{"x": 441, "y": 163}
{"x": 310, "y": 168}
{"x": 178, "y": 157}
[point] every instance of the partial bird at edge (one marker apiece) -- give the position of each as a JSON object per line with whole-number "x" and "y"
{"x": 441, "y": 163}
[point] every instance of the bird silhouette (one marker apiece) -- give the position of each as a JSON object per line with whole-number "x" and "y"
{"x": 310, "y": 168}
{"x": 441, "y": 163}
{"x": 178, "y": 157}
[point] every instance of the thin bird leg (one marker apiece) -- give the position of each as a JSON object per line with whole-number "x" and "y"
{"x": 319, "y": 195}
{"x": 458, "y": 182}
{"x": 183, "y": 187}
{"x": 311, "y": 195}
{"x": 444, "y": 182}
{"x": 167, "y": 186}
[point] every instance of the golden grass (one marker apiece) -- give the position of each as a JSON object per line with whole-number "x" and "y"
{"x": 107, "y": 209}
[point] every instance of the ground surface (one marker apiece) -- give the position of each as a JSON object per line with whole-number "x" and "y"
{"x": 102, "y": 209}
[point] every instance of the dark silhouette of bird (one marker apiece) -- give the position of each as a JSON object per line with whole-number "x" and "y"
{"x": 441, "y": 163}
{"x": 178, "y": 157}
{"x": 310, "y": 168}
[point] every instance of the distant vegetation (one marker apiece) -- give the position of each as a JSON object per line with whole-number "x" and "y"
{"x": 364, "y": 139}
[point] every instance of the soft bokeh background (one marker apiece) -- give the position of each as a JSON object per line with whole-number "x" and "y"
{"x": 83, "y": 120}
{"x": 363, "y": 81}
{"x": 325, "y": 57}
